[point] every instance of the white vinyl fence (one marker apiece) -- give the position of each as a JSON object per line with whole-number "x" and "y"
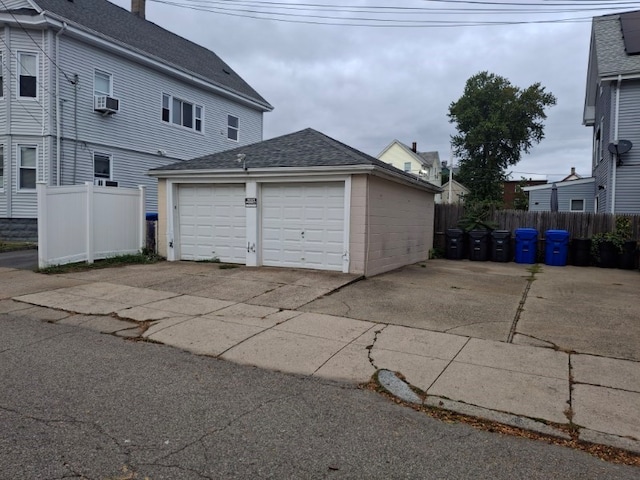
{"x": 86, "y": 222}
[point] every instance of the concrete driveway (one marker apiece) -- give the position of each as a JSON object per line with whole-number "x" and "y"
{"x": 587, "y": 310}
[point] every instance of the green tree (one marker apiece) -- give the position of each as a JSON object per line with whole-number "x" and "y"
{"x": 496, "y": 123}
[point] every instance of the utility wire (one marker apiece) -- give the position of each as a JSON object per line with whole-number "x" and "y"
{"x": 36, "y": 43}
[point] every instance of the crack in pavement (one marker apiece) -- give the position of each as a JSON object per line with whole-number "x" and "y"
{"x": 370, "y": 347}
{"x": 520, "y": 309}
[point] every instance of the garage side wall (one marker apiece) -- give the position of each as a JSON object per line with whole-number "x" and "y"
{"x": 162, "y": 218}
{"x": 400, "y": 225}
{"x": 358, "y": 224}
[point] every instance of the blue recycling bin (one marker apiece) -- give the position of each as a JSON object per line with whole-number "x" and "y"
{"x": 556, "y": 247}
{"x": 526, "y": 245}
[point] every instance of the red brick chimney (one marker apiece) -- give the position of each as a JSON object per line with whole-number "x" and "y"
{"x": 414, "y": 147}
{"x": 138, "y": 8}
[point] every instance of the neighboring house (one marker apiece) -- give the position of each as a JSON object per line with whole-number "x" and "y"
{"x": 612, "y": 110}
{"x": 454, "y": 192}
{"x": 425, "y": 165}
{"x": 93, "y": 92}
{"x": 572, "y": 176}
{"x": 301, "y": 200}
{"x": 573, "y": 196}
{"x": 511, "y": 188}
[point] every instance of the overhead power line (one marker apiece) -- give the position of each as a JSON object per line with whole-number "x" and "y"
{"x": 435, "y": 14}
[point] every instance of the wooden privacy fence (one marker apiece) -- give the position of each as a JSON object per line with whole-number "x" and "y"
{"x": 578, "y": 224}
{"x": 84, "y": 222}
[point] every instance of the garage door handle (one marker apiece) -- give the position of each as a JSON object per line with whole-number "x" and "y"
{"x": 251, "y": 247}
{"x": 302, "y": 234}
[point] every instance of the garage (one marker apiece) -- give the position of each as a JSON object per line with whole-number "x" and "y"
{"x": 302, "y": 200}
{"x": 303, "y": 225}
{"x": 212, "y": 222}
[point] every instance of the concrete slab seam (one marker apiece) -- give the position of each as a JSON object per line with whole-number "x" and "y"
{"x": 343, "y": 347}
{"x": 569, "y": 412}
{"x": 520, "y": 308}
{"x": 448, "y": 365}
{"x": 249, "y": 338}
{"x": 362, "y": 277}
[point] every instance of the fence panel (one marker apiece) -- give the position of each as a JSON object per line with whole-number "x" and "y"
{"x": 82, "y": 223}
{"x": 578, "y": 224}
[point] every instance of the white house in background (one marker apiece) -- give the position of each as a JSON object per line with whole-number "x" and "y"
{"x": 454, "y": 193}
{"x": 573, "y": 196}
{"x": 425, "y": 165}
{"x": 93, "y": 92}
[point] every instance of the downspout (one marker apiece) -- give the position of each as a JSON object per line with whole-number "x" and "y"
{"x": 614, "y": 165}
{"x": 58, "y": 105}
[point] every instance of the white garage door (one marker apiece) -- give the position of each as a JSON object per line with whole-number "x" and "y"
{"x": 303, "y": 225}
{"x": 212, "y": 223}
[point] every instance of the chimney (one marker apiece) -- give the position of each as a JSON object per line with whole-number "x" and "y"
{"x": 414, "y": 147}
{"x": 138, "y": 7}
{"x": 573, "y": 170}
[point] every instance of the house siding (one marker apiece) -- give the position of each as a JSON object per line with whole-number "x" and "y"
{"x": 139, "y": 123}
{"x": 358, "y": 224}
{"x": 539, "y": 200}
{"x": 162, "y": 218}
{"x": 15, "y": 4}
{"x": 400, "y": 225}
{"x": 628, "y": 173}
{"x": 134, "y": 136}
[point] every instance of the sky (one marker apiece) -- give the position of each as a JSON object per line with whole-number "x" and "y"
{"x": 368, "y": 85}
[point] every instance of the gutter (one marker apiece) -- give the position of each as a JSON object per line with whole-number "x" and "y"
{"x": 58, "y": 105}
{"x": 614, "y": 164}
{"x": 274, "y": 172}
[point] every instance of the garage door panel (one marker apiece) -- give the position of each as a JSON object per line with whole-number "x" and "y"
{"x": 303, "y": 225}
{"x": 212, "y": 222}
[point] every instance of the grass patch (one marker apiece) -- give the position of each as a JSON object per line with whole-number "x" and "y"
{"x": 117, "y": 261}
{"x": 13, "y": 246}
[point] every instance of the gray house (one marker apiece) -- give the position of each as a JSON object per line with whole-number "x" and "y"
{"x": 612, "y": 110}
{"x": 93, "y": 92}
{"x": 573, "y": 196}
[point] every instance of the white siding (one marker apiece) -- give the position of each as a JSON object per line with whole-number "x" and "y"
{"x": 397, "y": 156}
{"x": 400, "y": 225}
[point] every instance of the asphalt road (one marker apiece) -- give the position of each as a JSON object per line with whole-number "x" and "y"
{"x": 78, "y": 404}
{"x": 23, "y": 259}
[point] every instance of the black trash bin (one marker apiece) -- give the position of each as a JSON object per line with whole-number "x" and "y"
{"x": 581, "y": 248}
{"x": 501, "y": 246}
{"x": 479, "y": 245}
{"x": 455, "y": 244}
{"x": 627, "y": 259}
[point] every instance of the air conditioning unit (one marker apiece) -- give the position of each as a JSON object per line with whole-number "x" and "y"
{"x": 103, "y": 182}
{"x": 105, "y": 104}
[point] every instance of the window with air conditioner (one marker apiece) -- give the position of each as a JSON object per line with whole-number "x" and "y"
{"x": 27, "y": 166}
{"x": 102, "y": 166}
{"x": 28, "y": 75}
{"x": 103, "y": 99}
{"x": 182, "y": 113}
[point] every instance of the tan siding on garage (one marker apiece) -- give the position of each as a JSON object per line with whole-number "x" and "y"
{"x": 358, "y": 224}
{"x": 400, "y": 225}
{"x": 162, "y": 217}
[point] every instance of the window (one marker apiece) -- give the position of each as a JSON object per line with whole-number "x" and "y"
{"x": 577, "y": 205}
{"x": 407, "y": 166}
{"x": 102, "y": 83}
{"x": 102, "y": 165}
{"x": 180, "y": 112}
{"x": 233, "y": 126}
{"x": 1, "y": 79}
{"x": 597, "y": 148}
{"x": 27, "y": 155}
{"x": 1, "y": 167}
{"x": 28, "y": 69}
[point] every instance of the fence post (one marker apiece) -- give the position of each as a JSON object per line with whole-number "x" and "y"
{"x": 142, "y": 218}
{"x": 41, "y": 189}
{"x": 90, "y": 216}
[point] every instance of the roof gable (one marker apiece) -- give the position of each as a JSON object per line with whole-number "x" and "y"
{"x": 129, "y": 30}
{"x": 608, "y": 54}
{"x": 304, "y": 149}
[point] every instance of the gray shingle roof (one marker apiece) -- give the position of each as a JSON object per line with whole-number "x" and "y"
{"x": 306, "y": 148}
{"x": 429, "y": 159}
{"x": 611, "y": 57}
{"x": 125, "y": 28}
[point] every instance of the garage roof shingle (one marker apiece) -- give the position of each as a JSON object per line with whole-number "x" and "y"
{"x": 306, "y": 148}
